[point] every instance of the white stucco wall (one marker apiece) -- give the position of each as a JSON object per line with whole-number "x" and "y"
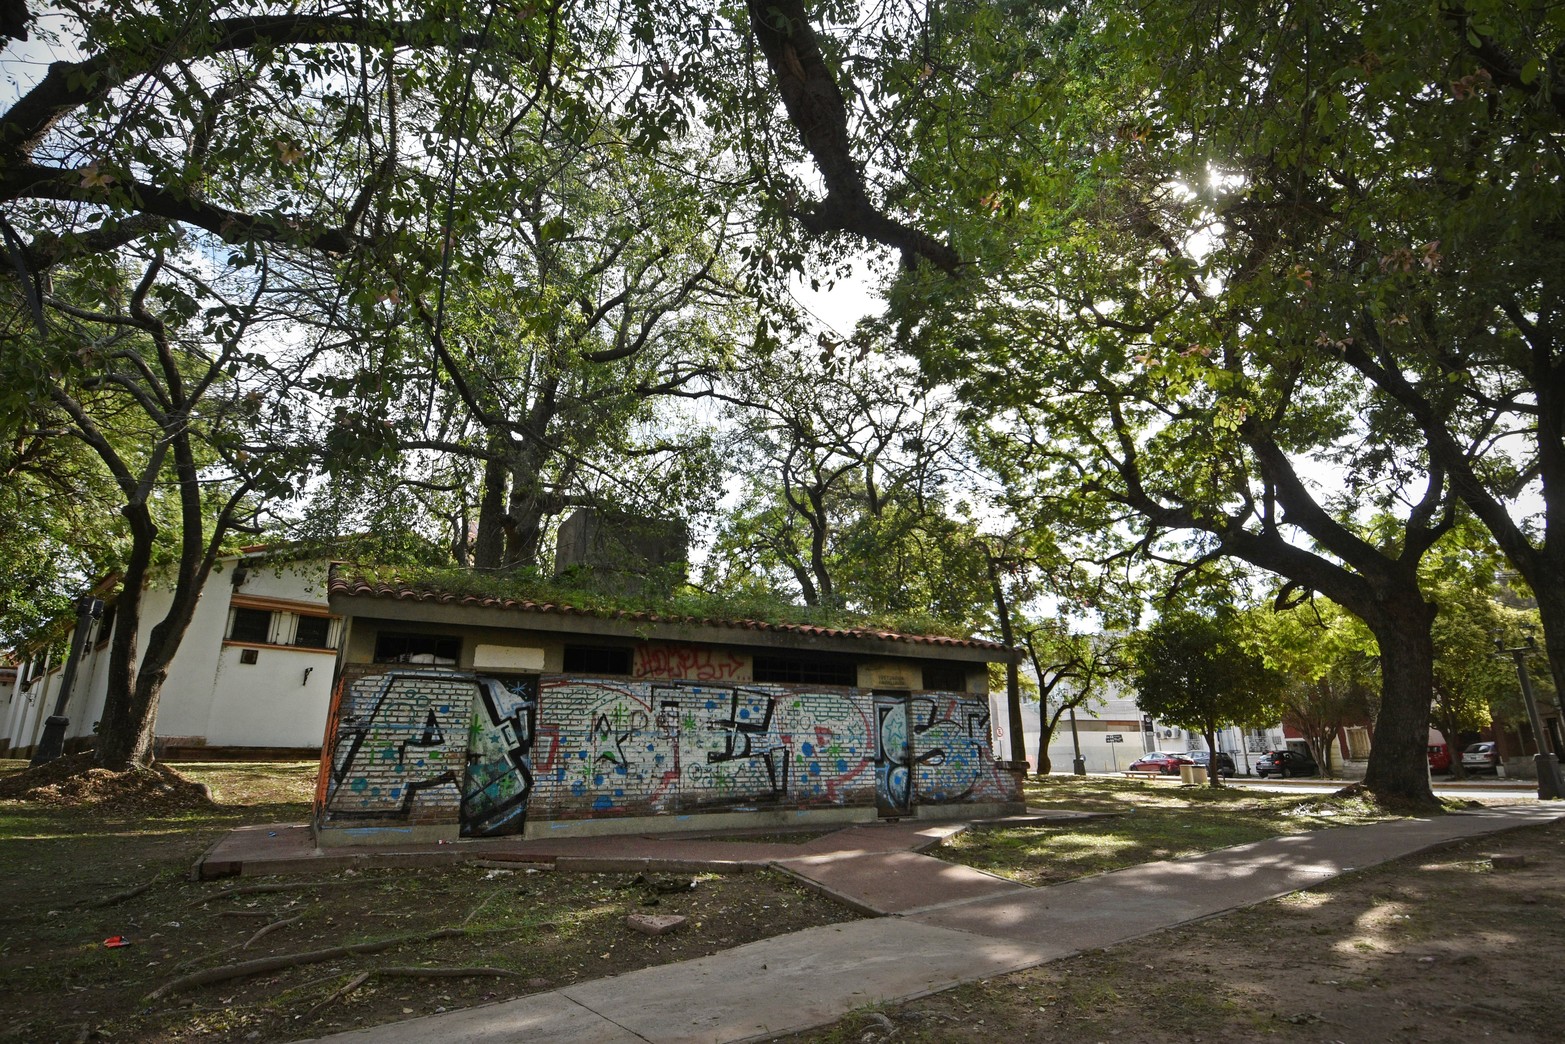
{"x": 210, "y": 697}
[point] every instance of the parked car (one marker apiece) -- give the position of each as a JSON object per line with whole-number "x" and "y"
{"x": 1481, "y": 757}
{"x": 1225, "y": 761}
{"x": 1162, "y": 763}
{"x": 1286, "y": 763}
{"x": 1439, "y": 758}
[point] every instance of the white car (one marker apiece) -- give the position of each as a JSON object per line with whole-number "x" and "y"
{"x": 1481, "y": 757}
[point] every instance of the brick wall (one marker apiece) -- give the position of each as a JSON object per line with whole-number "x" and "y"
{"x": 576, "y": 747}
{"x": 401, "y": 745}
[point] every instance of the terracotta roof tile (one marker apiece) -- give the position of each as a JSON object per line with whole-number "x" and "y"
{"x": 360, "y": 587}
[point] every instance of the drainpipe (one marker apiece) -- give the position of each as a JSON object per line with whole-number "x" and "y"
{"x": 52, "y": 744}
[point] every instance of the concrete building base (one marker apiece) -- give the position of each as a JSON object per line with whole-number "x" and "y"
{"x": 976, "y": 810}
{"x": 700, "y": 822}
{"x": 359, "y": 835}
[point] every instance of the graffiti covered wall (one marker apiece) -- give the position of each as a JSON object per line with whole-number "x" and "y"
{"x": 495, "y": 752}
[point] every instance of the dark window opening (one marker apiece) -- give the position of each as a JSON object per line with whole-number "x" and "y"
{"x": 403, "y": 647}
{"x": 596, "y": 659}
{"x": 251, "y": 625}
{"x": 249, "y": 655}
{"x": 808, "y": 670}
{"x": 945, "y": 678}
{"x": 106, "y": 624}
{"x": 313, "y": 632}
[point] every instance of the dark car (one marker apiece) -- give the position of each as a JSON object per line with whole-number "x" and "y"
{"x": 1286, "y": 763}
{"x": 1225, "y": 761}
{"x": 1159, "y": 762}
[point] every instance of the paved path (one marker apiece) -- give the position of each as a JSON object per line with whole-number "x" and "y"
{"x": 968, "y": 932}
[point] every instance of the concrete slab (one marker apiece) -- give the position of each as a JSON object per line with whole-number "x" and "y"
{"x": 543, "y": 1018}
{"x": 795, "y": 981}
{"x": 892, "y": 882}
{"x": 1127, "y": 904}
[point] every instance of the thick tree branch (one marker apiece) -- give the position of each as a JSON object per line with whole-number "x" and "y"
{"x": 819, "y": 113}
{"x": 156, "y": 205}
{"x": 69, "y": 85}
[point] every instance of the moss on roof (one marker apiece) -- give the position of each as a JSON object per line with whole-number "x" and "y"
{"x": 684, "y": 601}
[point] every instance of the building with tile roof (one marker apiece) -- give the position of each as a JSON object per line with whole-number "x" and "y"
{"x": 474, "y": 712}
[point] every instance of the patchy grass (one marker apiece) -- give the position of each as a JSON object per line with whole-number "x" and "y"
{"x": 64, "y": 865}
{"x": 1151, "y": 820}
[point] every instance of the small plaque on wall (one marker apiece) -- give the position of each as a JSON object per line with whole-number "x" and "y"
{"x": 507, "y": 658}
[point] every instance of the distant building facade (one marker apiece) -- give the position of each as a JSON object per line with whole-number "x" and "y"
{"x": 252, "y": 677}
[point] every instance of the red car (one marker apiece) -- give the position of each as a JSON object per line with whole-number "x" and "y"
{"x": 1439, "y": 757}
{"x": 1159, "y": 762}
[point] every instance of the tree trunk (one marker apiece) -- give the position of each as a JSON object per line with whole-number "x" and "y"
{"x": 1398, "y": 761}
{"x": 1550, "y": 594}
{"x": 490, "y": 541}
{"x": 524, "y": 528}
{"x": 1013, "y": 683}
{"x": 119, "y": 736}
{"x": 1045, "y": 737}
{"x": 1214, "y": 768}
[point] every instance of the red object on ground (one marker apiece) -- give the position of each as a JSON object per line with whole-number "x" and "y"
{"x": 116, "y": 941}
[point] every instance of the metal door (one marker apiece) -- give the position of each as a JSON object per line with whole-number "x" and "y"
{"x": 893, "y": 754}
{"x": 499, "y": 774}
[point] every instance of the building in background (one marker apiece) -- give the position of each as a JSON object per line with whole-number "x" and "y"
{"x": 252, "y": 677}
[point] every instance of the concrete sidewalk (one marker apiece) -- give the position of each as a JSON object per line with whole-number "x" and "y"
{"x": 966, "y": 931}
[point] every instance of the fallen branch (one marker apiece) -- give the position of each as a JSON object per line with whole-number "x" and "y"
{"x": 262, "y": 965}
{"x": 263, "y": 889}
{"x": 271, "y": 928}
{"x": 245, "y": 913}
{"x": 411, "y": 972}
{"x": 120, "y": 897}
{"x": 445, "y": 973}
{"x": 342, "y": 991}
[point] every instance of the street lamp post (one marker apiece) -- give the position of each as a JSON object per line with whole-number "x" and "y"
{"x": 1548, "y": 765}
{"x": 1079, "y": 766}
{"x": 52, "y": 743}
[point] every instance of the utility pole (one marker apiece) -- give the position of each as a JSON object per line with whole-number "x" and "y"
{"x": 1547, "y": 763}
{"x": 52, "y": 743}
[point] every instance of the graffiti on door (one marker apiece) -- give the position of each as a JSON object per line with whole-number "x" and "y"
{"x": 499, "y": 774}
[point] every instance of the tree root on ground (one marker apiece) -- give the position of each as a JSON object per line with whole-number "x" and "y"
{"x": 271, "y": 928}
{"x": 281, "y": 962}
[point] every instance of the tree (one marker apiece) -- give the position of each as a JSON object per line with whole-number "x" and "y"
{"x": 59, "y": 531}
{"x": 1139, "y": 402}
{"x": 1070, "y": 667}
{"x": 145, "y": 378}
{"x": 1197, "y": 672}
{"x": 1398, "y": 167}
{"x": 1326, "y": 659}
{"x": 846, "y": 471}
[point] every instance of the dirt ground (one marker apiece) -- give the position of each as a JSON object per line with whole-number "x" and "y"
{"x": 1444, "y": 947}
{"x": 91, "y": 862}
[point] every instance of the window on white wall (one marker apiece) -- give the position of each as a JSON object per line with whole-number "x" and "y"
{"x": 312, "y": 632}
{"x": 250, "y": 625}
